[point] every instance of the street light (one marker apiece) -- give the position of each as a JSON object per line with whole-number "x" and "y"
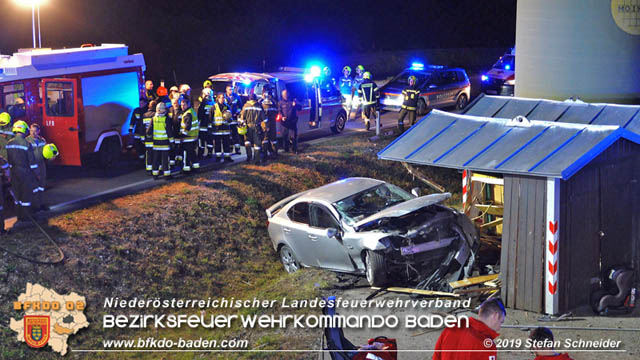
{"x": 35, "y": 4}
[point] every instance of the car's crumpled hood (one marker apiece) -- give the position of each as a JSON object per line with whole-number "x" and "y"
{"x": 405, "y": 207}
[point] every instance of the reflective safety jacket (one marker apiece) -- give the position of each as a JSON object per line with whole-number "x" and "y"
{"x": 357, "y": 80}
{"x": 20, "y": 154}
{"x": 161, "y": 132}
{"x": 5, "y": 135}
{"x": 204, "y": 115}
{"x": 411, "y": 95}
{"x": 147, "y": 118}
{"x": 136, "y": 127}
{"x": 368, "y": 92}
{"x": 220, "y": 125}
{"x": 189, "y": 125}
{"x": 252, "y": 113}
{"x": 345, "y": 84}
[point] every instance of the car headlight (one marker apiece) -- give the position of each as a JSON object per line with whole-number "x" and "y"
{"x": 511, "y": 82}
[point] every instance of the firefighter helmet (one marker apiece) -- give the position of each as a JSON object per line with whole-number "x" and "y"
{"x": 20, "y": 126}
{"x": 226, "y": 115}
{"x": 50, "y": 151}
{"x": 173, "y": 88}
{"x": 360, "y": 68}
{"x": 162, "y": 91}
{"x": 207, "y": 92}
{"x": 347, "y": 68}
{"x": 242, "y": 129}
{"x": 207, "y": 83}
{"x": 184, "y": 88}
{"x": 366, "y": 75}
{"x": 411, "y": 78}
{"x": 5, "y": 119}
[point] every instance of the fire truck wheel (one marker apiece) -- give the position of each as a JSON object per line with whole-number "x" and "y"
{"x": 109, "y": 152}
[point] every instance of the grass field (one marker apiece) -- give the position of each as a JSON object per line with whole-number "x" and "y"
{"x": 198, "y": 237}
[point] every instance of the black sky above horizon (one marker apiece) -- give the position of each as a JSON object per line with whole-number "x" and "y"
{"x": 196, "y": 38}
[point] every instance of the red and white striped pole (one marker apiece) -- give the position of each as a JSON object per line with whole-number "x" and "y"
{"x": 551, "y": 244}
{"x": 466, "y": 188}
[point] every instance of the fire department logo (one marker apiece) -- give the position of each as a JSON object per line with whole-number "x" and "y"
{"x": 36, "y": 330}
{"x": 626, "y": 14}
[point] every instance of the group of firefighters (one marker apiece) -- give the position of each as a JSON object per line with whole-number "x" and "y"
{"x": 369, "y": 95}
{"x": 23, "y": 156}
{"x": 168, "y": 132}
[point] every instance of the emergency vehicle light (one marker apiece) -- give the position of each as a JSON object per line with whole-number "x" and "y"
{"x": 507, "y": 67}
{"x": 315, "y": 71}
{"x": 484, "y": 77}
{"x": 417, "y": 66}
{"x": 308, "y": 78}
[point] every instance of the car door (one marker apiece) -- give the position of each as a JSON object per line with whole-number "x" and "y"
{"x": 60, "y": 118}
{"x": 433, "y": 89}
{"x": 331, "y": 104}
{"x": 449, "y": 87}
{"x": 296, "y": 234}
{"x": 331, "y": 252}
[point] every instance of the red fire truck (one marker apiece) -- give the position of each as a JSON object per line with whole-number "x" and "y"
{"x": 82, "y": 97}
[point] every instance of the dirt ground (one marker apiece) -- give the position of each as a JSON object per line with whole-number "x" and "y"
{"x": 205, "y": 236}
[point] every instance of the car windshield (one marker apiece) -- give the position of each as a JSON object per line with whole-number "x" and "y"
{"x": 369, "y": 202}
{"x": 507, "y": 62}
{"x": 402, "y": 80}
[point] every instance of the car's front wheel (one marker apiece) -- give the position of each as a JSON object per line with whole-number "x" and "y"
{"x": 376, "y": 268}
{"x": 289, "y": 260}
{"x": 341, "y": 120}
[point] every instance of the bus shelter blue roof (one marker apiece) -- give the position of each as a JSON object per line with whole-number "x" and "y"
{"x": 507, "y": 107}
{"x": 539, "y": 148}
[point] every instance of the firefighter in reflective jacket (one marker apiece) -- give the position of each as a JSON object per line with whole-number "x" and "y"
{"x": 270, "y": 140}
{"x": 204, "y": 116}
{"x": 20, "y": 155}
{"x": 175, "y": 154}
{"x": 235, "y": 105}
{"x": 411, "y": 95}
{"x": 136, "y": 128}
{"x": 160, "y": 130}
{"x": 252, "y": 116}
{"x": 5, "y": 133}
{"x": 147, "y": 117}
{"x": 38, "y": 143}
{"x": 345, "y": 83}
{"x": 189, "y": 129}
{"x": 221, "y": 130}
{"x": 369, "y": 96}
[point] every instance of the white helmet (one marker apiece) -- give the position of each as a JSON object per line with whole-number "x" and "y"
{"x": 184, "y": 88}
{"x": 207, "y": 92}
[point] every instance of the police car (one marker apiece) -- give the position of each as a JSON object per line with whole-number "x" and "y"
{"x": 501, "y": 79}
{"x": 321, "y": 110}
{"x": 440, "y": 87}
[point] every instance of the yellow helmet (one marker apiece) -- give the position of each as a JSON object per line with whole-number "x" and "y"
{"x": 207, "y": 83}
{"x": 242, "y": 129}
{"x": 20, "y": 126}
{"x": 50, "y": 151}
{"x": 366, "y": 75}
{"x": 5, "y": 119}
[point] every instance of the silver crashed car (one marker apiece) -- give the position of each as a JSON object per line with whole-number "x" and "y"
{"x": 373, "y": 228}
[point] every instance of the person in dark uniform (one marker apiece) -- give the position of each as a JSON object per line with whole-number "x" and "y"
{"x": 235, "y": 105}
{"x": 147, "y": 117}
{"x": 411, "y": 95}
{"x": 173, "y": 112}
{"x": 5, "y": 132}
{"x": 4, "y": 179}
{"x": 369, "y": 96}
{"x": 38, "y": 143}
{"x": 20, "y": 155}
{"x": 136, "y": 128}
{"x": 288, "y": 111}
{"x": 271, "y": 112}
{"x": 204, "y": 117}
{"x": 252, "y": 115}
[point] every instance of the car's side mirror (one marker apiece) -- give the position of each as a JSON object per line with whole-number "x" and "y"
{"x": 332, "y": 232}
{"x": 416, "y": 192}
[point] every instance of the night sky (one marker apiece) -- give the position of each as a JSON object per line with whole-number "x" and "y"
{"x": 197, "y": 38}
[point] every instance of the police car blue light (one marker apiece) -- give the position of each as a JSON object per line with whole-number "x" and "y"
{"x": 484, "y": 77}
{"x": 417, "y": 66}
{"x": 507, "y": 67}
{"x": 308, "y": 78}
{"x": 315, "y": 71}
